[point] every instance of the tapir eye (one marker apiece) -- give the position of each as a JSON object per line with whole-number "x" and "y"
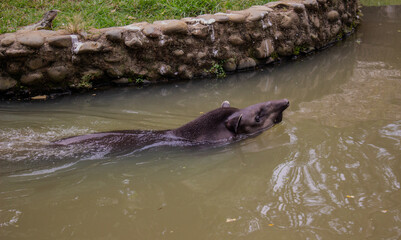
{"x": 257, "y": 119}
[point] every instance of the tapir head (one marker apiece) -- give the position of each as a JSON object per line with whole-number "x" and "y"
{"x": 257, "y": 118}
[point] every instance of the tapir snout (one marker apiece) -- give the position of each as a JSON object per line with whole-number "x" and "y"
{"x": 258, "y": 117}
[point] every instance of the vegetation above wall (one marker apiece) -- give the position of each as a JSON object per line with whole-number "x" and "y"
{"x": 109, "y": 13}
{"x": 380, "y": 2}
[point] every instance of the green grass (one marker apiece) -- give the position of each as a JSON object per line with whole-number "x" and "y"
{"x": 108, "y": 13}
{"x": 380, "y": 2}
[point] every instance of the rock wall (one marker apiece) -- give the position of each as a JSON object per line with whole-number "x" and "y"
{"x": 39, "y": 62}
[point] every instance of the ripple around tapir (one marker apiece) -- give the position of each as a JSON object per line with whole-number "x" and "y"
{"x": 42, "y": 62}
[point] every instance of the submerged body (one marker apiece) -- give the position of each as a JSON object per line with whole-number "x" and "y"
{"x": 222, "y": 125}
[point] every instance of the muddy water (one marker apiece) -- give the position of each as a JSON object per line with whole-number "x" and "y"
{"x": 331, "y": 169}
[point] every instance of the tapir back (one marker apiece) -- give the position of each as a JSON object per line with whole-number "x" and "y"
{"x": 208, "y": 127}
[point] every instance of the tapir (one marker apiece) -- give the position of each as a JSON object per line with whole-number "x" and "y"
{"x": 222, "y": 125}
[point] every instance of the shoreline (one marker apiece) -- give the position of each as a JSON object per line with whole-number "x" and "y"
{"x": 46, "y": 62}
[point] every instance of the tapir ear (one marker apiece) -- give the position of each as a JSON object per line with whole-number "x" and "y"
{"x": 225, "y": 104}
{"x": 233, "y": 123}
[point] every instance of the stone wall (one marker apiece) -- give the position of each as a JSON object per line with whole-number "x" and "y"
{"x": 39, "y": 62}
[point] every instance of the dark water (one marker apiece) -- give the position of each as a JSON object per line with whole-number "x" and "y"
{"x": 330, "y": 170}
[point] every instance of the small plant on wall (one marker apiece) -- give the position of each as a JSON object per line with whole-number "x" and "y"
{"x": 217, "y": 70}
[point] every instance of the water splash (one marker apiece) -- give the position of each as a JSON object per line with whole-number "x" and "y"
{"x": 44, "y": 171}
{"x": 14, "y": 214}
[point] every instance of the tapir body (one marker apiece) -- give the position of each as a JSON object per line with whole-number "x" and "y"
{"x": 225, "y": 124}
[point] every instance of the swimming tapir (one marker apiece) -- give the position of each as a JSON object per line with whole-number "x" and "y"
{"x": 224, "y": 124}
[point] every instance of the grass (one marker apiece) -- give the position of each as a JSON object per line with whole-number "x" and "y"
{"x": 380, "y": 2}
{"x": 108, "y": 13}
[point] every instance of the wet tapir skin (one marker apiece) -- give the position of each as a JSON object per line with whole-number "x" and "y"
{"x": 225, "y": 124}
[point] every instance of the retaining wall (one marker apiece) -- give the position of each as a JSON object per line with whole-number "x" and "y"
{"x": 38, "y": 62}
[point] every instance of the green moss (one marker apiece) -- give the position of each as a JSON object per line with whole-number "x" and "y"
{"x": 84, "y": 84}
{"x": 139, "y": 80}
{"x": 299, "y": 49}
{"x": 340, "y": 36}
{"x": 274, "y": 56}
{"x": 87, "y": 78}
{"x": 85, "y": 81}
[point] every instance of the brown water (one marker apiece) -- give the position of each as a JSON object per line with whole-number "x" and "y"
{"x": 330, "y": 170}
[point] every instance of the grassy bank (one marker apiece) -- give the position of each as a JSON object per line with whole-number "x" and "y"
{"x": 380, "y": 2}
{"x": 108, "y": 13}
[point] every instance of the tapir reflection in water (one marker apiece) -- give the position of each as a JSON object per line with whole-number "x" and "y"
{"x": 219, "y": 126}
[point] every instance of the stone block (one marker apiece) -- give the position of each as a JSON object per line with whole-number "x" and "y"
{"x": 256, "y": 13}
{"x": 221, "y": 18}
{"x": 135, "y": 42}
{"x": 172, "y": 26}
{"x": 18, "y": 52}
{"x": 315, "y": 20}
{"x": 178, "y": 52}
{"x": 246, "y": 63}
{"x": 230, "y": 65}
{"x": 14, "y": 67}
{"x": 311, "y": 4}
{"x": 165, "y": 70}
{"x": 114, "y": 35}
{"x": 236, "y": 18}
{"x": 63, "y": 41}
{"x": 265, "y": 49}
{"x": 200, "y": 31}
{"x": 201, "y": 55}
{"x": 57, "y": 73}
{"x": 260, "y": 8}
{"x": 7, "y": 83}
{"x": 122, "y": 81}
{"x": 285, "y": 49}
{"x": 7, "y": 41}
{"x": 185, "y": 72}
{"x": 290, "y": 20}
{"x": 236, "y": 39}
{"x": 32, "y": 79}
{"x": 89, "y": 47}
{"x": 335, "y": 29}
{"x": 298, "y": 7}
{"x": 115, "y": 71}
{"x": 152, "y": 31}
{"x": 114, "y": 57}
{"x": 36, "y": 63}
{"x": 333, "y": 16}
{"x": 31, "y": 39}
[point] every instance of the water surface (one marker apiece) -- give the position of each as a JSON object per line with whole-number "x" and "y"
{"x": 330, "y": 170}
